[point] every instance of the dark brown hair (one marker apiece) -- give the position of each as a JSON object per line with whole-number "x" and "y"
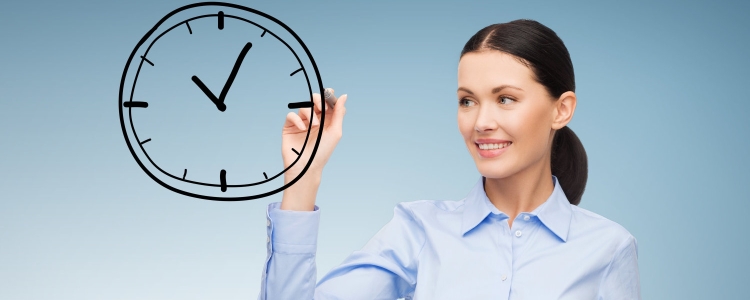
{"x": 540, "y": 49}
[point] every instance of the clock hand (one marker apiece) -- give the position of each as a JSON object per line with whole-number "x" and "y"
{"x": 235, "y": 69}
{"x": 219, "y": 103}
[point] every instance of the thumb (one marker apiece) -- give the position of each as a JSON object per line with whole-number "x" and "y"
{"x": 339, "y": 110}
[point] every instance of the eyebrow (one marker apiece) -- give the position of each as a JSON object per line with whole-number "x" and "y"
{"x": 494, "y": 90}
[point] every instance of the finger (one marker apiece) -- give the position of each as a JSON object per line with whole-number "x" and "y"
{"x": 315, "y": 100}
{"x": 316, "y": 104}
{"x": 316, "y": 109}
{"x": 304, "y": 113}
{"x": 339, "y": 110}
{"x": 293, "y": 119}
{"x": 316, "y": 119}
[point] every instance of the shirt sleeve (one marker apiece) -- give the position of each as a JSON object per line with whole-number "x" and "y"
{"x": 621, "y": 279}
{"x": 385, "y": 268}
{"x": 289, "y": 271}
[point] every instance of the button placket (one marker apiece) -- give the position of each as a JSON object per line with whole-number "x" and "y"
{"x": 269, "y": 232}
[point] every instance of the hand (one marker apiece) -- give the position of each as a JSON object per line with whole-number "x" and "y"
{"x": 219, "y": 102}
{"x": 302, "y": 193}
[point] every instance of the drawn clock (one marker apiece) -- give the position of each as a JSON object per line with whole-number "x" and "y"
{"x": 204, "y": 96}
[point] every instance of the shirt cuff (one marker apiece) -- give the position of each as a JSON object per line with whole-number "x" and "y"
{"x": 291, "y": 231}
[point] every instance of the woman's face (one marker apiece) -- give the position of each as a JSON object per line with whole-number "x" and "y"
{"x": 504, "y": 115}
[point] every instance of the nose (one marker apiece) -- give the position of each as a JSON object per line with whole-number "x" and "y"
{"x": 486, "y": 120}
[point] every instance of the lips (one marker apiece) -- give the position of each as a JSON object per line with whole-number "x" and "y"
{"x": 490, "y": 141}
{"x": 493, "y": 146}
{"x": 489, "y": 148}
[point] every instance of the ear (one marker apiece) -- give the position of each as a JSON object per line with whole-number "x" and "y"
{"x": 565, "y": 106}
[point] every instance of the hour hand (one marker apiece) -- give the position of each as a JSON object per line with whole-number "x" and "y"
{"x": 218, "y": 102}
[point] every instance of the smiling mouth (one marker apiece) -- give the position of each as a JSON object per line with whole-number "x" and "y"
{"x": 493, "y": 146}
{"x": 492, "y": 150}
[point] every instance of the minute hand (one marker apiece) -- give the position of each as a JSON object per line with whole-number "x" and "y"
{"x": 219, "y": 102}
{"x": 235, "y": 69}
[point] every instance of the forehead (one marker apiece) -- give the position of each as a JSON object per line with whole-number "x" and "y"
{"x": 490, "y": 68}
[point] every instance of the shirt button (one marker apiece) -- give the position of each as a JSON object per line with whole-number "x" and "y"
{"x": 518, "y": 233}
{"x": 268, "y": 222}
{"x": 268, "y": 239}
{"x": 526, "y": 218}
{"x": 503, "y": 278}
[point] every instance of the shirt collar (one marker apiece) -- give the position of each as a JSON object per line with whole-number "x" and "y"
{"x": 555, "y": 213}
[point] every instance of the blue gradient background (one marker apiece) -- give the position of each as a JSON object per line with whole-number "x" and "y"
{"x": 662, "y": 114}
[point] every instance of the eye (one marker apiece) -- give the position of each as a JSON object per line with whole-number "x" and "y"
{"x": 464, "y": 102}
{"x": 506, "y": 99}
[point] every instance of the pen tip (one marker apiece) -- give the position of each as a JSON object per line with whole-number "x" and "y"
{"x": 328, "y": 93}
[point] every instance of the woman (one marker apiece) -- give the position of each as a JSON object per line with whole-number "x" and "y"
{"x": 517, "y": 235}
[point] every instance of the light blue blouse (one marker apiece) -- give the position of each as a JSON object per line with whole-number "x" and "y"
{"x": 463, "y": 249}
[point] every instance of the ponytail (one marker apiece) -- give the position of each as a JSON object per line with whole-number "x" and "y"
{"x": 569, "y": 164}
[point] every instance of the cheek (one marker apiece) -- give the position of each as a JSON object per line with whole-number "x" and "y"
{"x": 465, "y": 124}
{"x": 531, "y": 129}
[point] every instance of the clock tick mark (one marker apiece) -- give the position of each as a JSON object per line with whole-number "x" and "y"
{"x": 295, "y": 72}
{"x": 223, "y": 179}
{"x": 295, "y": 151}
{"x": 188, "y": 26}
{"x": 135, "y": 104}
{"x": 146, "y": 141}
{"x": 148, "y": 61}
{"x": 184, "y": 174}
{"x": 264, "y": 175}
{"x": 294, "y": 105}
{"x": 262, "y": 34}
{"x": 221, "y": 20}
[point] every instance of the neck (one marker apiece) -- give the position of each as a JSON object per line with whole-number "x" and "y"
{"x": 520, "y": 192}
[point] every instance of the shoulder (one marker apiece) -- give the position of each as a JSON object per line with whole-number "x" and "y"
{"x": 421, "y": 209}
{"x": 409, "y": 227}
{"x": 585, "y": 224}
{"x": 586, "y": 218}
{"x": 430, "y": 215}
{"x": 422, "y": 206}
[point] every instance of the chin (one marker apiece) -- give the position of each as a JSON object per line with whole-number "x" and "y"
{"x": 493, "y": 169}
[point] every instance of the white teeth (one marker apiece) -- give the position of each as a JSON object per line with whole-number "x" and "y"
{"x": 493, "y": 146}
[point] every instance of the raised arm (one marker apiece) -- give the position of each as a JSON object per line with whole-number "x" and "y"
{"x": 384, "y": 269}
{"x": 289, "y": 271}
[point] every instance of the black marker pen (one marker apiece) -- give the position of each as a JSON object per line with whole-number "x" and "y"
{"x": 330, "y": 97}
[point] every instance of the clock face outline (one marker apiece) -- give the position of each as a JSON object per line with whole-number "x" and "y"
{"x": 127, "y": 105}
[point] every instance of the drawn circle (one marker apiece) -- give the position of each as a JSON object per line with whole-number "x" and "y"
{"x": 169, "y": 180}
